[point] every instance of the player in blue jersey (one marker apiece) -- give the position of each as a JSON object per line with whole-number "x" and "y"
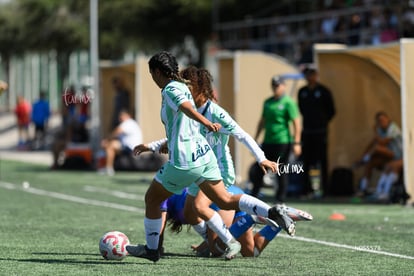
{"x": 191, "y": 160}
{"x": 239, "y": 223}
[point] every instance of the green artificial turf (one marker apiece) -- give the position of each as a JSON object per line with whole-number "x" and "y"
{"x": 44, "y": 232}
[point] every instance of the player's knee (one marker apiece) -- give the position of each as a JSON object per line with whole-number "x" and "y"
{"x": 200, "y": 208}
{"x": 225, "y": 203}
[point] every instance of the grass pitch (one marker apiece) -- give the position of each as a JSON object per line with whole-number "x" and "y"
{"x": 53, "y": 228}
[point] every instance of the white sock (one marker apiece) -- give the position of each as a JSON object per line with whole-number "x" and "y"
{"x": 216, "y": 224}
{"x": 363, "y": 185}
{"x": 253, "y": 206}
{"x": 391, "y": 179}
{"x": 152, "y": 232}
{"x": 201, "y": 229}
{"x": 381, "y": 183}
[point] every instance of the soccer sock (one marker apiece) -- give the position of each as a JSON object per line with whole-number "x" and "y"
{"x": 391, "y": 179}
{"x": 217, "y": 225}
{"x": 152, "y": 232}
{"x": 253, "y": 206}
{"x": 381, "y": 183}
{"x": 269, "y": 232}
{"x": 241, "y": 226}
{"x": 201, "y": 229}
{"x": 363, "y": 185}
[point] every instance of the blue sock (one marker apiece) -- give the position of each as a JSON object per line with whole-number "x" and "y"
{"x": 269, "y": 233}
{"x": 241, "y": 226}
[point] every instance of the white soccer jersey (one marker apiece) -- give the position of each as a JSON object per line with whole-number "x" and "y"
{"x": 219, "y": 140}
{"x": 187, "y": 147}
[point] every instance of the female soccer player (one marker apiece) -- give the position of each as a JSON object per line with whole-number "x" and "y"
{"x": 201, "y": 89}
{"x": 191, "y": 160}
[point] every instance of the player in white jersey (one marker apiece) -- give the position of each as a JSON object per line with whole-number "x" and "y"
{"x": 191, "y": 160}
{"x": 202, "y": 91}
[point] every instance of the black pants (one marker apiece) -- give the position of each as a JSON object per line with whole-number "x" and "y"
{"x": 273, "y": 152}
{"x": 314, "y": 152}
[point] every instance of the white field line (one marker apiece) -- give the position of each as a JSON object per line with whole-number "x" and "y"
{"x": 71, "y": 198}
{"x": 114, "y": 193}
{"x": 356, "y": 248}
{"x": 92, "y": 202}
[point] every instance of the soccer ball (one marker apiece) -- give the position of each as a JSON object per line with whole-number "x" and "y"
{"x": 112, "y": 245}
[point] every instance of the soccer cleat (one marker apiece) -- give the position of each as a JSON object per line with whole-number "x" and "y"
{"x": 142, "y": 251}
{"x": 280, "y": 216}
{"x": 232, "y": 250}
{"x": 297, "y": 214}
{"x": 264, "y": 220}
{"x": 205, "y": 253}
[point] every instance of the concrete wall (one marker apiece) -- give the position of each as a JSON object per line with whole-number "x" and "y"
{"x": 244, "y": 84}
{"x": 363, "y": 81}
{"x": 126, "y": 72}
{"x": 148, "y": 103}
{"x": 407, "y": 99}
{"x": 361, "y": 85}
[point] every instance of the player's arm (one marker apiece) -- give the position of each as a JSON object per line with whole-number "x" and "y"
{"x": 154, "y": 146}
{"x": 245, "y": 138}
{"x": 330, "y": 105}
{"x": 297, "y": 129}
{"x": 187, "y": 109}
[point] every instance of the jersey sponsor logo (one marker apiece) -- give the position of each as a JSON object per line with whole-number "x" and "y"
{"x": 201, "y": 151}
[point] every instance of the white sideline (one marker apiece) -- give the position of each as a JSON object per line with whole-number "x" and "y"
{"x": 118, "y": 194}
{"x": 356, "y": 248}
{"x": 71, "y": 198}
{"x": 11, "y": 186}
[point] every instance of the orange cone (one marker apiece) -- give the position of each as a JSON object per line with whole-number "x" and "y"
{"x": 337, "y": 216}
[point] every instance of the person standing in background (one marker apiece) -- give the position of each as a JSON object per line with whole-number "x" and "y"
{"x": 279, "y": 111}
{"x": 22, "y": 111}
{"x": 121, "y": 100}
{"x": 317, "y": 108}
{"x": 40, "y": 118}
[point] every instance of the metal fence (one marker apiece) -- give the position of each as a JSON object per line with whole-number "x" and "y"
{"x": 288, "y": 35}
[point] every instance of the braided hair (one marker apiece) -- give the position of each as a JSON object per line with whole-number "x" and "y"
{"x": 167, "y": 64}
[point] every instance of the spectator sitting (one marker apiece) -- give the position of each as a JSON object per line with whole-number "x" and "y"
{"x": 388, "y": 178}
{"x": 84, "y": 103}
{"x": 121, "y": 100}
{"x": 124, "y": 138}
{"x": 386, "y": 146}
{"x": 75, "y": 133}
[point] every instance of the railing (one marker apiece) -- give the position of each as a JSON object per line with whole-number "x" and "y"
{"x": 287, "y": 36}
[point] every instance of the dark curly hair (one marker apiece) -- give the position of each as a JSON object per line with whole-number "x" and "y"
{"x": 167, "y": 64}
{"x": 200, "y": 80}
{"x": 175, "y": 224}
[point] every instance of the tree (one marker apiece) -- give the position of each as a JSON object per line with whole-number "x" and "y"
{"x": 55, "y": 25}
{"x": 11, "y": 39}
